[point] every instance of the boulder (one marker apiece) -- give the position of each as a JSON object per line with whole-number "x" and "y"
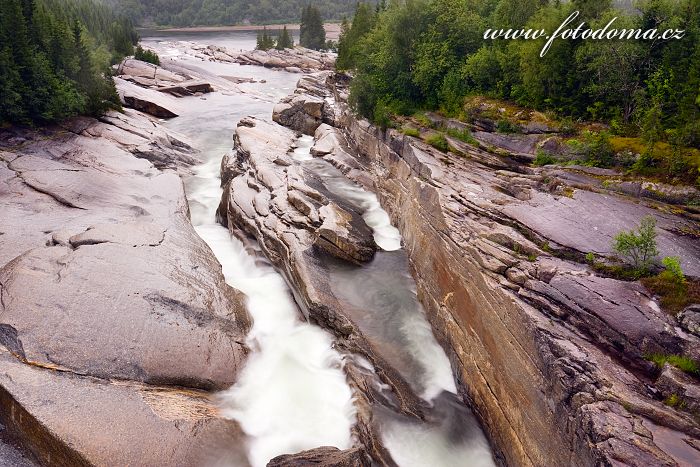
{"x": 146, "y": 100}
{"x": 689, "y": 319}
{"x": 339, "y": 236}
{"x": 326, "y": 456}
{"x": 679, "y": 389}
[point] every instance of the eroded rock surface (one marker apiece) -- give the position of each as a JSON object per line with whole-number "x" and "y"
{"x": 296, "y": 60}
{"x": 300, "y": 223}
{"x": 551, "y": 355}
{"x": 307, "y": 108}
{"x": 115, "y": 320}
{"x": 325, "y": 456}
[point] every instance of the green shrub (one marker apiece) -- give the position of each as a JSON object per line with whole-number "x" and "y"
{"x": 673, "y": 268}
{"x": 438, "y": 141}
{"x": 146, "y": 55}
{"x": 638, "y": 247}
{"x": 593, "y": 148}
{"x": 567, "y": 126}
{"x": 590, "y": 258}
{"x": 463, "y": 135}
{"x": 543, "y": 158}
{"x": 408, "y": 131}
{"x": 675, "y": 401}
{"x": 505, "y": 126}
{"x": 675, "y": 291}
{"x": 382, "y": 115}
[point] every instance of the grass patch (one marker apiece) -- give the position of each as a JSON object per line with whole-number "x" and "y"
{"x": 675, "y": 401}
{"x": 463, "y": 135}
{"x": 683, "y": 363}
{"x": 408, "y": 131}
{"x": 438, "y": 141}
{"x": 673, "y": 295}
{"x": 422, "y": 119}
{"x": 506, "y": 126}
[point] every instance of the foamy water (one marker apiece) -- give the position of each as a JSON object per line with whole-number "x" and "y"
{"x": 394, "y": 319}
{"x": 292, "y": 394}
{"x": 386, "y": 236}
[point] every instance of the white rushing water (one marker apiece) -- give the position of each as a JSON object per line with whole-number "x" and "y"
{"x": 386, "y": 236}
{"x": 396, "y": 321}
{"x": 292, "y": 394}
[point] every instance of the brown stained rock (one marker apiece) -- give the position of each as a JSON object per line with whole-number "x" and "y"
{"x": 67, "y": 419}
{"x": 325, "y": 456}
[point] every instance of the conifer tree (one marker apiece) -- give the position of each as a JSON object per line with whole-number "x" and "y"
{"x": 311, "y": 32}
{"x": 284, "y": 40}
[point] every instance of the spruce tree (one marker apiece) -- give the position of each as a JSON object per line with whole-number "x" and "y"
{"x": 311, "y": 32}
{"x": 284, "y": 40}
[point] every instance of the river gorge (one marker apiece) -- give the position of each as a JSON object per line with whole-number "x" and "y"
{"x": 252, "y": 275}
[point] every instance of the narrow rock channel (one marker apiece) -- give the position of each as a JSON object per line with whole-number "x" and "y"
{"x": 293, "y": 394}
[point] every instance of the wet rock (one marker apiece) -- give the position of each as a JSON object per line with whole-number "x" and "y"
{"x": 339, "y": 236}
{"x": 308, "y": 107}
{"x": 326, "y": 456}
{"x": 146, "y": 100}
{"x": 544, "y": 348}
{"x": 302, "y": 226}
{"x": 109, "y": 298}
{"x": 689, "y": 319}
{"x": 299, "y": 113}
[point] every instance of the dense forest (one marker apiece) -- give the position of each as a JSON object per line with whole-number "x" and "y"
{"x": 55, "y": 58}
{"x": 431, "y": 54}
{"x": 223, "y": 12}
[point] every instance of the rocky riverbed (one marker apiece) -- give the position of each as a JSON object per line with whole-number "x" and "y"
{"x": 116, "y": 326}
{"x": 543, "y": 346}
{"x": 119, "y": 330}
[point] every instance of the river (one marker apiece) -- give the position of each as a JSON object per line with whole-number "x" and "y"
{"x": 292, "y": 394}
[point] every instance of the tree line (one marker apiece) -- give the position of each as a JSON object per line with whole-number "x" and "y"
{"x": 267, "y": 41}
{"x": 225, "y": 12}
{"x": 430, "y": 54}
{"x": 311, "y": 33}
{"x": 55, "y": 58}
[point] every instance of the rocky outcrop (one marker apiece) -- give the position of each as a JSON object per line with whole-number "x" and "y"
{"x": 110, "y": 300}
{"x": 550, "y": 354}
{"x": 146, "y": 100}
{"x": 303, "y": 227}
{"x": 307, "y": 108}
{"x": 295, "y": 60}
{"x": 325, "y": 456}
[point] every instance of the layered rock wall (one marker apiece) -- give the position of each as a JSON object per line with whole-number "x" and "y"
{"x": 550, "y": 354}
